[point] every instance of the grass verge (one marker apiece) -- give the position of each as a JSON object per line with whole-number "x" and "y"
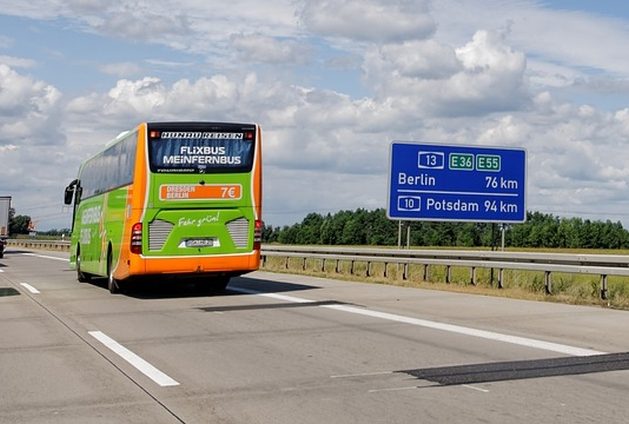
{"x": 578, "y": 289}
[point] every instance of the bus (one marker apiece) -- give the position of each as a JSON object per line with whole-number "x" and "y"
{"x": 169, "y": 199}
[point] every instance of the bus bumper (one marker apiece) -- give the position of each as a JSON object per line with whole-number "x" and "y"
{"x": 215, "y": 264}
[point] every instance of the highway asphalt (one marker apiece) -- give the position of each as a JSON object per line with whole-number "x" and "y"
{"x": 292, "y": 349}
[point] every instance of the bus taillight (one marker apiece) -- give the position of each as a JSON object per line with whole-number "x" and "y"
{"x": 257, "y": 235}
{"x": 136, "y": 238}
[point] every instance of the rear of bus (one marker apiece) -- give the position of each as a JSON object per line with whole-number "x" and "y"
{"x": 202, "y": 202}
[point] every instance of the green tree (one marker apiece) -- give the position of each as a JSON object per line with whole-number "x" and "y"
{"x": 18, "y": 224}
{"x": 288, "y": 235}
{"x": 310, "y": 229}
{"x": 269, "y": 234}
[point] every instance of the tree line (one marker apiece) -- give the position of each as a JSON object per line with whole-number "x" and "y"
{"x": 372, "y": 227}
{"x": 21, "y": 224}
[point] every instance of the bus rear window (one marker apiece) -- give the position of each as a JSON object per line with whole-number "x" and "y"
{"x": 201, "y": 151}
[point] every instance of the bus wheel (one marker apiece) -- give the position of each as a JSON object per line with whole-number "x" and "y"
{"x": 80, "y": 275}
{"x": 112, "y": 284}
{"x": 220, "y": 283}
{"x": 213, "y": 285}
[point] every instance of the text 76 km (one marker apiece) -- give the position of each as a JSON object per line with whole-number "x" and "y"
{"x": 500, "y": 182}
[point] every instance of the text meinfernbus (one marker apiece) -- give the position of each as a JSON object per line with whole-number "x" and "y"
{"x": 170, "y": 198}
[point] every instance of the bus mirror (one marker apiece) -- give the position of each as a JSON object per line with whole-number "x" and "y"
{"x": 68, "y": 195}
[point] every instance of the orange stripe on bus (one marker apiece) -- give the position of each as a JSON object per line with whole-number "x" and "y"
{"x": 200, "y": 192}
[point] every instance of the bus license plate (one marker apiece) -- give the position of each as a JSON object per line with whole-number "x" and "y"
{"x": 200, "y": 242}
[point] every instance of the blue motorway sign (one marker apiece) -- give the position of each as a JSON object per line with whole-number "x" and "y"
{"x": 436, "y": 182}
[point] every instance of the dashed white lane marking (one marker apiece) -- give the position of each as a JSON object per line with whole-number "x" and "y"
{"x": 457, "y": 329}
{"x": 363, "y": 374}
{"x": 478, "y": 389}
{"x": 30, "y": 288}
{"x": 392, "y": 389}
{"x": 140, "y": 364}
{"x": 1, "y": 271}
{"x": 45, "y": 257}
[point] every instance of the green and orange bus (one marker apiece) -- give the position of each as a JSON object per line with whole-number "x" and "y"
{"x": 169, "y": 198}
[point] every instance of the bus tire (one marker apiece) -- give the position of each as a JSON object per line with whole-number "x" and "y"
{"x": 220, "y": 283}
{"x": 80, "y": 275}
{"x": 112, "y": 283}
{"x": 211, "y": 285}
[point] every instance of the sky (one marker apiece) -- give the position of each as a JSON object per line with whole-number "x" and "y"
{"x": 332, "y": 84}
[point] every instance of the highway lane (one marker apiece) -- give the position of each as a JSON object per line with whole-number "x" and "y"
{"x": 281, "y": 348}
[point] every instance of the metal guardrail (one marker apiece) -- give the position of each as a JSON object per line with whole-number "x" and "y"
{"x": 602, "y": 265}
{"x": 40, "y": 244}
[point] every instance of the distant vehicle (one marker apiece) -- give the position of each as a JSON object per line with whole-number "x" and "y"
{"x": 170, "y": 198}
{"x": 5, "y": 205}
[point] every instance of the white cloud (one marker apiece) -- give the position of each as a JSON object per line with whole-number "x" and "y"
{"x": 28, "y": 110}
{"x": 122, "y": 107}
{"x": 485, "y": 75}
{"x": 576, "y": 156}
{"x": 260, "y": 48}
{"x": 37, "y": 9}
{"x": 8, "y": 148}
{"x": 121, "y": 69}
{"x": 171, "y": 27}
{"x": 369, "y": 20}
{"x": 191, "y": 25}
{"x": 117, "y": 17}
{"x": 31, "y": 142}
{"x": 16, "y": 62}
{"x": 415, "y": 59}
{"x": 168, "y": 63}
{"x": 546, "y": 75}
{"x": 506, "y": 131}
{"x": 561, "y": 39}
{"x": 345, "y": 62}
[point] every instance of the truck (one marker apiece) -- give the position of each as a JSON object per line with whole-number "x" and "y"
{"x": 5, "y": 205}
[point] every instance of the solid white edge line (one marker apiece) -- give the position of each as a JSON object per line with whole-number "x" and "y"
{"x": 489, "y": 335}
{"x": 30, "y": 288}
{"x": 45, "y": 257}
{"x": 140, "y": 364}
{"x": 272, "y": 295}
{"x": 483, "y": 334}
